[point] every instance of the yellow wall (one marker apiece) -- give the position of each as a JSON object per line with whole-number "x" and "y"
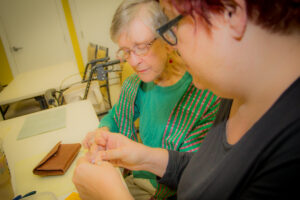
{"x": 73, "y": 35}
{"x": 5, "y": 72}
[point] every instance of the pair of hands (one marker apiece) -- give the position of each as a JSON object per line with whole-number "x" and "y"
{"x": 95, "y": 176}
{"x": 115, "y": 148}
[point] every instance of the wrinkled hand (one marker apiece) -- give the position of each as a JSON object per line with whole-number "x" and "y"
{"x": 124, "y": 152}
{"x": 89, "y": 142}
{"x": 98, "y": 181}
{"x": 121, "y": 151}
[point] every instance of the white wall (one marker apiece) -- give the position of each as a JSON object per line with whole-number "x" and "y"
{"x": 92, "y": 19}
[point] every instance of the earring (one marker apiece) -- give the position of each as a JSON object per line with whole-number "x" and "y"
{"x": 230, "y": 14}
{"x": 170, "y": 61}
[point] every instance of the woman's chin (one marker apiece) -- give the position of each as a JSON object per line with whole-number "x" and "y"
{"x": 145, "y": 78}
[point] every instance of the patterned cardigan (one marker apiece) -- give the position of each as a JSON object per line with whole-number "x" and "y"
{"x": 187, "y": 125}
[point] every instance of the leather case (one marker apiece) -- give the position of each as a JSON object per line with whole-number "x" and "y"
{"x": 58, "y": 160}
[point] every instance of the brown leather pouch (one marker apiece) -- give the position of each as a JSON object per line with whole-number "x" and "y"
{"x": 58, "y": 160}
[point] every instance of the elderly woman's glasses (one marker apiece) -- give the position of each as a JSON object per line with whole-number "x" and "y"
{"x": 139, "y": 50}
{"x": 167, "y": 33}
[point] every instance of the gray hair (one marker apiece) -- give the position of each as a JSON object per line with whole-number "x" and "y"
{"x": 128, "y": 10}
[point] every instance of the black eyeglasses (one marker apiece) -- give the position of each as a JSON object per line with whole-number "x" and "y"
{"x": 167, "y": 33}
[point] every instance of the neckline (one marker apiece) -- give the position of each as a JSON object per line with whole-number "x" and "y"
{"x": 226, "y": 145}
{"x": 251, "y": 131}
{"x": 180, "y": 82}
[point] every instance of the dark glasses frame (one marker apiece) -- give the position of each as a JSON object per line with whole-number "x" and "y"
{"x": 167, "y": 27}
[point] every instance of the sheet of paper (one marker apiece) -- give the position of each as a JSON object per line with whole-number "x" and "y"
{"x": 43, "y": 122}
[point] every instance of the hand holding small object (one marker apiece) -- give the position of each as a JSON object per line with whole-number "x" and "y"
{"x": 88, "y": 141}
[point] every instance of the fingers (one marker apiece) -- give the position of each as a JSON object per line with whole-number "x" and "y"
{"x": 113, "y": 154}
{"x": 105, "y": 144}
{"x": 93, "y": 148}
{"x": 87, "y": 140}
{"x": 98, "y": 159}
{"x": 94, "y": 157}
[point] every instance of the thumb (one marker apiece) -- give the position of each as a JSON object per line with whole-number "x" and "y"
{"x": 102, "y": 139}
{"x": 113, "y": 154}
{"x": 94, "y": 148}
{"x": 81, "y": 160}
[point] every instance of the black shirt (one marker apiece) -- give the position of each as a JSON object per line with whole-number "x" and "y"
{"x": 263, "y": 164}
{"x": 223, "y": 112}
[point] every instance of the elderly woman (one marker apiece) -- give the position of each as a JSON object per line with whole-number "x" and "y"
{"x": 173, "y": 113}
{"x": 240, "y": 49}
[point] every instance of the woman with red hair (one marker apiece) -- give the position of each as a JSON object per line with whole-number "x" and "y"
{"x": 246, "y": 50}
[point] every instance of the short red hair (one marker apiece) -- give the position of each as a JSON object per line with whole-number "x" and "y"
{"x": 274, "y": 15}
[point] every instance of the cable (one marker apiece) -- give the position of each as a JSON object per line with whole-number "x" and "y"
{"x": 60, "y": 87}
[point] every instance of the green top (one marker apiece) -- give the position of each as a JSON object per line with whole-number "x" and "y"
{"x": 154, "y": 105}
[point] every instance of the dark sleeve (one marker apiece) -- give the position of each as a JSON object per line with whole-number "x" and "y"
{"x": 176, "y": 165}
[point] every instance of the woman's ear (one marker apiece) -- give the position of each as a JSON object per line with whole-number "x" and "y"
{"x": 236, "y": 17}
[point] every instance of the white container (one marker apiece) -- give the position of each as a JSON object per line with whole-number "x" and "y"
{"x": 41, "y": 196}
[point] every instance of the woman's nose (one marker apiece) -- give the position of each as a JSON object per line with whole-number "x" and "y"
{"x": 134, "y": 60}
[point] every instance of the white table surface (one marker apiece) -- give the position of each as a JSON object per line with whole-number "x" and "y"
{"x": 36, "y": 82}
{"x": 80, "y": 119}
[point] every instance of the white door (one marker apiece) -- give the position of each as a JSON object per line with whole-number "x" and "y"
{"x": 34, "y": 34}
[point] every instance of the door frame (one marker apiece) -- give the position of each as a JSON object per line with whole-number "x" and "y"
{"x": 9, "y": 54}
